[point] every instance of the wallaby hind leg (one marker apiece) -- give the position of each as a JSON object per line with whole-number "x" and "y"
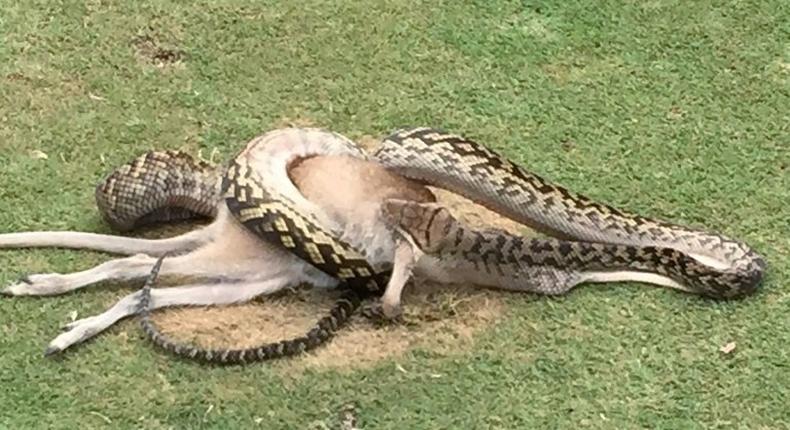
{"x": 196, "y": 295}
{"x": 104, "y": 242}
{"x": 113, "y": 244}
{"x": 138, "y": 266}
{"x": 49, "y": 284}
{"x": 231, "y": 253}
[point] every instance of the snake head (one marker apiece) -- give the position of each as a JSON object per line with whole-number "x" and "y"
{"x": 427, "y": 224}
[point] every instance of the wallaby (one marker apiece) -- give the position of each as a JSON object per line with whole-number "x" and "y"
{"x": 226, "y": 263}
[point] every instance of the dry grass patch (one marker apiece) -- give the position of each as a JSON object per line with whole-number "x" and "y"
{"x": 150, "y": 50}
{"x": 439, "y": 318}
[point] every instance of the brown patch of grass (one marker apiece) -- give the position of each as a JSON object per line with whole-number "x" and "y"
{"x": 439, "y": 318}
{"x": 150, "y": 50}
{"x": 442, "y": 319}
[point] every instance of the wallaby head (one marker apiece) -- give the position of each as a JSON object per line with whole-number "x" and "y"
{"x": 428, "y": 224}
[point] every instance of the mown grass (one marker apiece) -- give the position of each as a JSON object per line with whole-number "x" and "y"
{"x": 672, "y": 109}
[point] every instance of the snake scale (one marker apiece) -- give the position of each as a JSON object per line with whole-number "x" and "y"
{"x": 591, "y": 236}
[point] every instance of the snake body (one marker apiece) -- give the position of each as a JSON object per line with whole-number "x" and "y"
{"x": 705, "y": 263}
{"x": 256, "y": 189}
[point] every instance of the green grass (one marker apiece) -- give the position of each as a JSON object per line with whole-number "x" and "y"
{"x": 672, "y": 109}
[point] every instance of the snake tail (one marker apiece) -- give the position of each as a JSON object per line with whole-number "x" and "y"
{"x": 324, "y": 329}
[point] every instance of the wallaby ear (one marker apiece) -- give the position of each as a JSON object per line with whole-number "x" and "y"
{"x": 427, "y": 223}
